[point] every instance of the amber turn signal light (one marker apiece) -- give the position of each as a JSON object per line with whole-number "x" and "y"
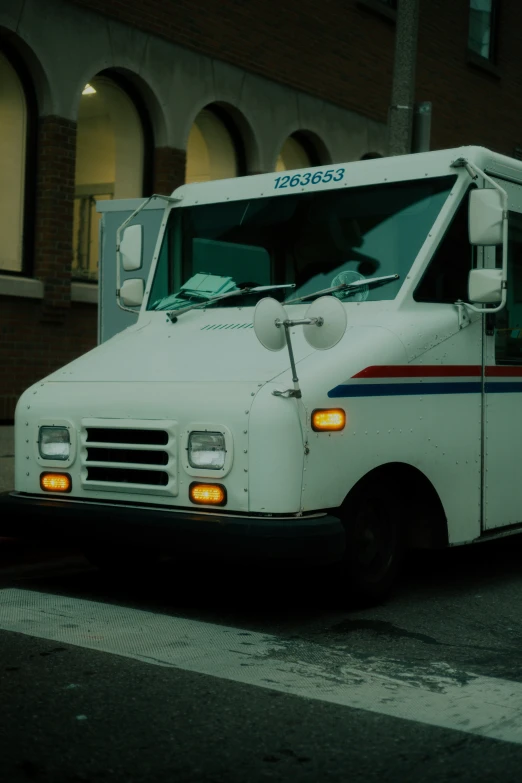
{"x": 55, "y": 482}
{"x": 208, "y": 494}
{"x": 328, "y": 420}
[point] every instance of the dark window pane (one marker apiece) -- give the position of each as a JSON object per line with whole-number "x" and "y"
{"x": 446, "y": 279}
{"x": 508, "y": 332}
{"x": 481, "y": 18}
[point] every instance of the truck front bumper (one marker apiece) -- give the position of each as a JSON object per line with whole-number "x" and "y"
{"x": 317, "y": 537}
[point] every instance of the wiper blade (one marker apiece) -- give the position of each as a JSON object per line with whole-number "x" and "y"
{"x": 370, "y": 281}
{"x": 174, "y": 314}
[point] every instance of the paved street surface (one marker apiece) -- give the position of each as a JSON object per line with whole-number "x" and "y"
{"x": 216, "y": 673}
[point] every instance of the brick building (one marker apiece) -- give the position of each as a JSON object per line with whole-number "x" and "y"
{"x": 108, "y": 99}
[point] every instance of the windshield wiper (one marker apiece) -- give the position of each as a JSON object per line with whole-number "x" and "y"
{"x": 174, "y": 314}
{"x": 167, "y": 301}
{"x": 371, "y": 281}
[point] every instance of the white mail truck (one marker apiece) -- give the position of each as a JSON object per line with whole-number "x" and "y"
{"x": 323, "y": 364}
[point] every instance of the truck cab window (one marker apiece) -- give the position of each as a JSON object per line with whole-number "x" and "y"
{"x": 308, "y": 239}
{"x": 446, "y": 278}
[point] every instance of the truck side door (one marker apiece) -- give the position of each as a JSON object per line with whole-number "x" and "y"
{"x": 502, "y": 492}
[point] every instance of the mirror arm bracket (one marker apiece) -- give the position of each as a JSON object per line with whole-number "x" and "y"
{"x": 490, "y": 310}
{"x": 287, "y": 323}
{"x": 288, "y": 393}
{"x": 462, "y": 313}
{"x": 296, "y": 391}
{"x": 463, "y": 163}
{"x": 134, "y": 310}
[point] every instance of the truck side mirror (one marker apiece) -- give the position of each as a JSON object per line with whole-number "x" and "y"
{"x": 132, "y": 291}
{"x": 131, "y": 248}
{"x": 485, "y": 286}
{"x": 485, "y": 218}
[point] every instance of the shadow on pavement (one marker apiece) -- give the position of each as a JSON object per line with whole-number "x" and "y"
{"x": 264, "y": 589}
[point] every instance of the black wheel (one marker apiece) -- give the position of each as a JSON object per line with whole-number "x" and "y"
{"x": 120, "y": 560}
{"x": 373, "y": 518}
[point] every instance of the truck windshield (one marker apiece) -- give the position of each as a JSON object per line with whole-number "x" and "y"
{"x": 312, "y": 240}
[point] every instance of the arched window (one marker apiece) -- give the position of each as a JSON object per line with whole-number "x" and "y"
{"x": 214, "y": 148}
{"x": 110, "y": 155}
{"x": 297, "y": 153}
{"x": 13, "y": 148}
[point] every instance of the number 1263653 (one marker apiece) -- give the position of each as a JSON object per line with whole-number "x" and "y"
{"x": 292, "y": 181}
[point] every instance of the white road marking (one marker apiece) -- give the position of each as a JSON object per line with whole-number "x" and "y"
{"x": 434, "y": 694}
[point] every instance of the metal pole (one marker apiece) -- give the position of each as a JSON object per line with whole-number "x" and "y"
{"x": 400, "y": 117}
{"x": 292, "y": 360}
{"x": 421, "y": 127}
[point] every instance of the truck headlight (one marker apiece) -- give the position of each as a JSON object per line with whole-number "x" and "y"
{"x": 54, "y": 443}
{"x": 207, "y": 450}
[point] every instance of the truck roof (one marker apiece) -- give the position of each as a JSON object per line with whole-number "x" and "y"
{"x": 363, "y": 172}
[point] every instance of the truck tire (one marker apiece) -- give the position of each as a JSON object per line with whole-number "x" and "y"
{"x": 373, "y": 517}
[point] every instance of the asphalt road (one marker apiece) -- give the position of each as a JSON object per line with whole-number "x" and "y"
{"x": 211, "y": 672}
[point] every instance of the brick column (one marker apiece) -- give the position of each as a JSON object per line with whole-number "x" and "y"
{"x": 54, "y": 213}
{"x": 169, "y": 169}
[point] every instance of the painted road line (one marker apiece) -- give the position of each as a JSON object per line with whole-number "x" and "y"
{"x": 434, "y": 694}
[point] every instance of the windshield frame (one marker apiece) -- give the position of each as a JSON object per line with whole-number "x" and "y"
{"x": 434, "y": 238}
{"x": 407, "y": 283}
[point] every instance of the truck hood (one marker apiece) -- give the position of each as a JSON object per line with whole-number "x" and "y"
{"x": 214, "y": 345}
{"x": 220, "y": 345}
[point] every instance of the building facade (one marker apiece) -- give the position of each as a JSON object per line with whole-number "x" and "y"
{"x": 101, "y": 99}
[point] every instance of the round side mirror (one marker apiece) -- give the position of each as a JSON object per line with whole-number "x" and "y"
{"x": 333, "y": 314}
{"x": 266, "y": 313}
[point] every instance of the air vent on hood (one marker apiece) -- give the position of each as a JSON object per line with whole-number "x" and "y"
{"x": 213, "y": 327}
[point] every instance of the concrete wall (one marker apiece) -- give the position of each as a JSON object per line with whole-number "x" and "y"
{"x": 342, "y": 51}
{"x": 69, "y": 45}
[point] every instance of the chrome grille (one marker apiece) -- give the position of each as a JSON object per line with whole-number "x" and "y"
{"x": 128, "y": 476}
{"x": 125, "y": 457}
{"x": 120, "y": 435}
{"x": 98, "y": 454}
